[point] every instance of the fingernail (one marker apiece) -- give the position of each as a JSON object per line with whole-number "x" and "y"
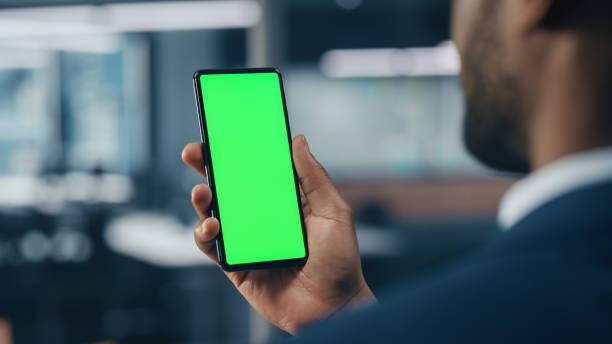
{"x": 306, "y": 142}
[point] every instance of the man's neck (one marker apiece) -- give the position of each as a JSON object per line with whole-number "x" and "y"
{"x": 568, "y": 115}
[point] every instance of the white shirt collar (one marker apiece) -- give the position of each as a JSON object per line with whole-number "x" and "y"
{"x": 560, "y": 177}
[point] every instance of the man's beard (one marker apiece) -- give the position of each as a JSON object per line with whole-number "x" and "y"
{"x": 491, "y": 132}
{"x": 494, "y": 123}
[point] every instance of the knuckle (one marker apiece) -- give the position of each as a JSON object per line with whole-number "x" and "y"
{"x": 342, "y": 209}
{"x": 347, "y": 211}
{"x": 322, "y": 169}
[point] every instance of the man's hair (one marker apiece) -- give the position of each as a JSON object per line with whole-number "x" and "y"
{"x": 580, "y": 14}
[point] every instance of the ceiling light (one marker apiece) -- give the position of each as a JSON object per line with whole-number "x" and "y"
{"x": 97, "y": 44}
{"x": 127, "y": 17}
{"x": 391, "y": 62}
{"x": 183, "y": 15}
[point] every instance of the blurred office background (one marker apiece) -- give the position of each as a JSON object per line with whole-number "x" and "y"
{"x": 96, "y": 102}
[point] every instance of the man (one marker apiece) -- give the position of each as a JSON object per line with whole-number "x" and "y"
{"x": 537, "y": 77}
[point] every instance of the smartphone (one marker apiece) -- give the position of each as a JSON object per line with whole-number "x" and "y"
{"x": 249, "y": 166}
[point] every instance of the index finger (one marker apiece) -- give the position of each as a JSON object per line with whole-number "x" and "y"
{"x": 192, "y": 156}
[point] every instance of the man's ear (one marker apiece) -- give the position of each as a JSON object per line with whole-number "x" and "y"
{"x": 528, "y": 15}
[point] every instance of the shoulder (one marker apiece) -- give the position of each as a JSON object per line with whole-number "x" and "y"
{"x": 488, "y": 298}
{"x": 545, "y": 280}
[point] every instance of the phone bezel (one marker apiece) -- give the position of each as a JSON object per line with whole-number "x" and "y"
{"x": 211, "y": 179}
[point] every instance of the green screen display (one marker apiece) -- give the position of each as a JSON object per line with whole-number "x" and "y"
{"x": 252, "y": 169}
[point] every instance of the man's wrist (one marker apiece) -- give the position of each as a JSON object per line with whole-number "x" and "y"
{"x": 363, "y": 298}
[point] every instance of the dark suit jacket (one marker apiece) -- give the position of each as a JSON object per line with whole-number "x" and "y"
{"x": 547, "y": 280}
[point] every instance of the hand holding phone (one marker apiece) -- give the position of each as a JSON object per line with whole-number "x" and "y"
{"x": 294, "y": 296}
{"x": 332, "y": 278}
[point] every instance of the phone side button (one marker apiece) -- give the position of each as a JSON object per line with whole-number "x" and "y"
{"x": 219, "y": 258}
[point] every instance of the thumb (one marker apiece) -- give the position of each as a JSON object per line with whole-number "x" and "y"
{"x": 320, "y": 191}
